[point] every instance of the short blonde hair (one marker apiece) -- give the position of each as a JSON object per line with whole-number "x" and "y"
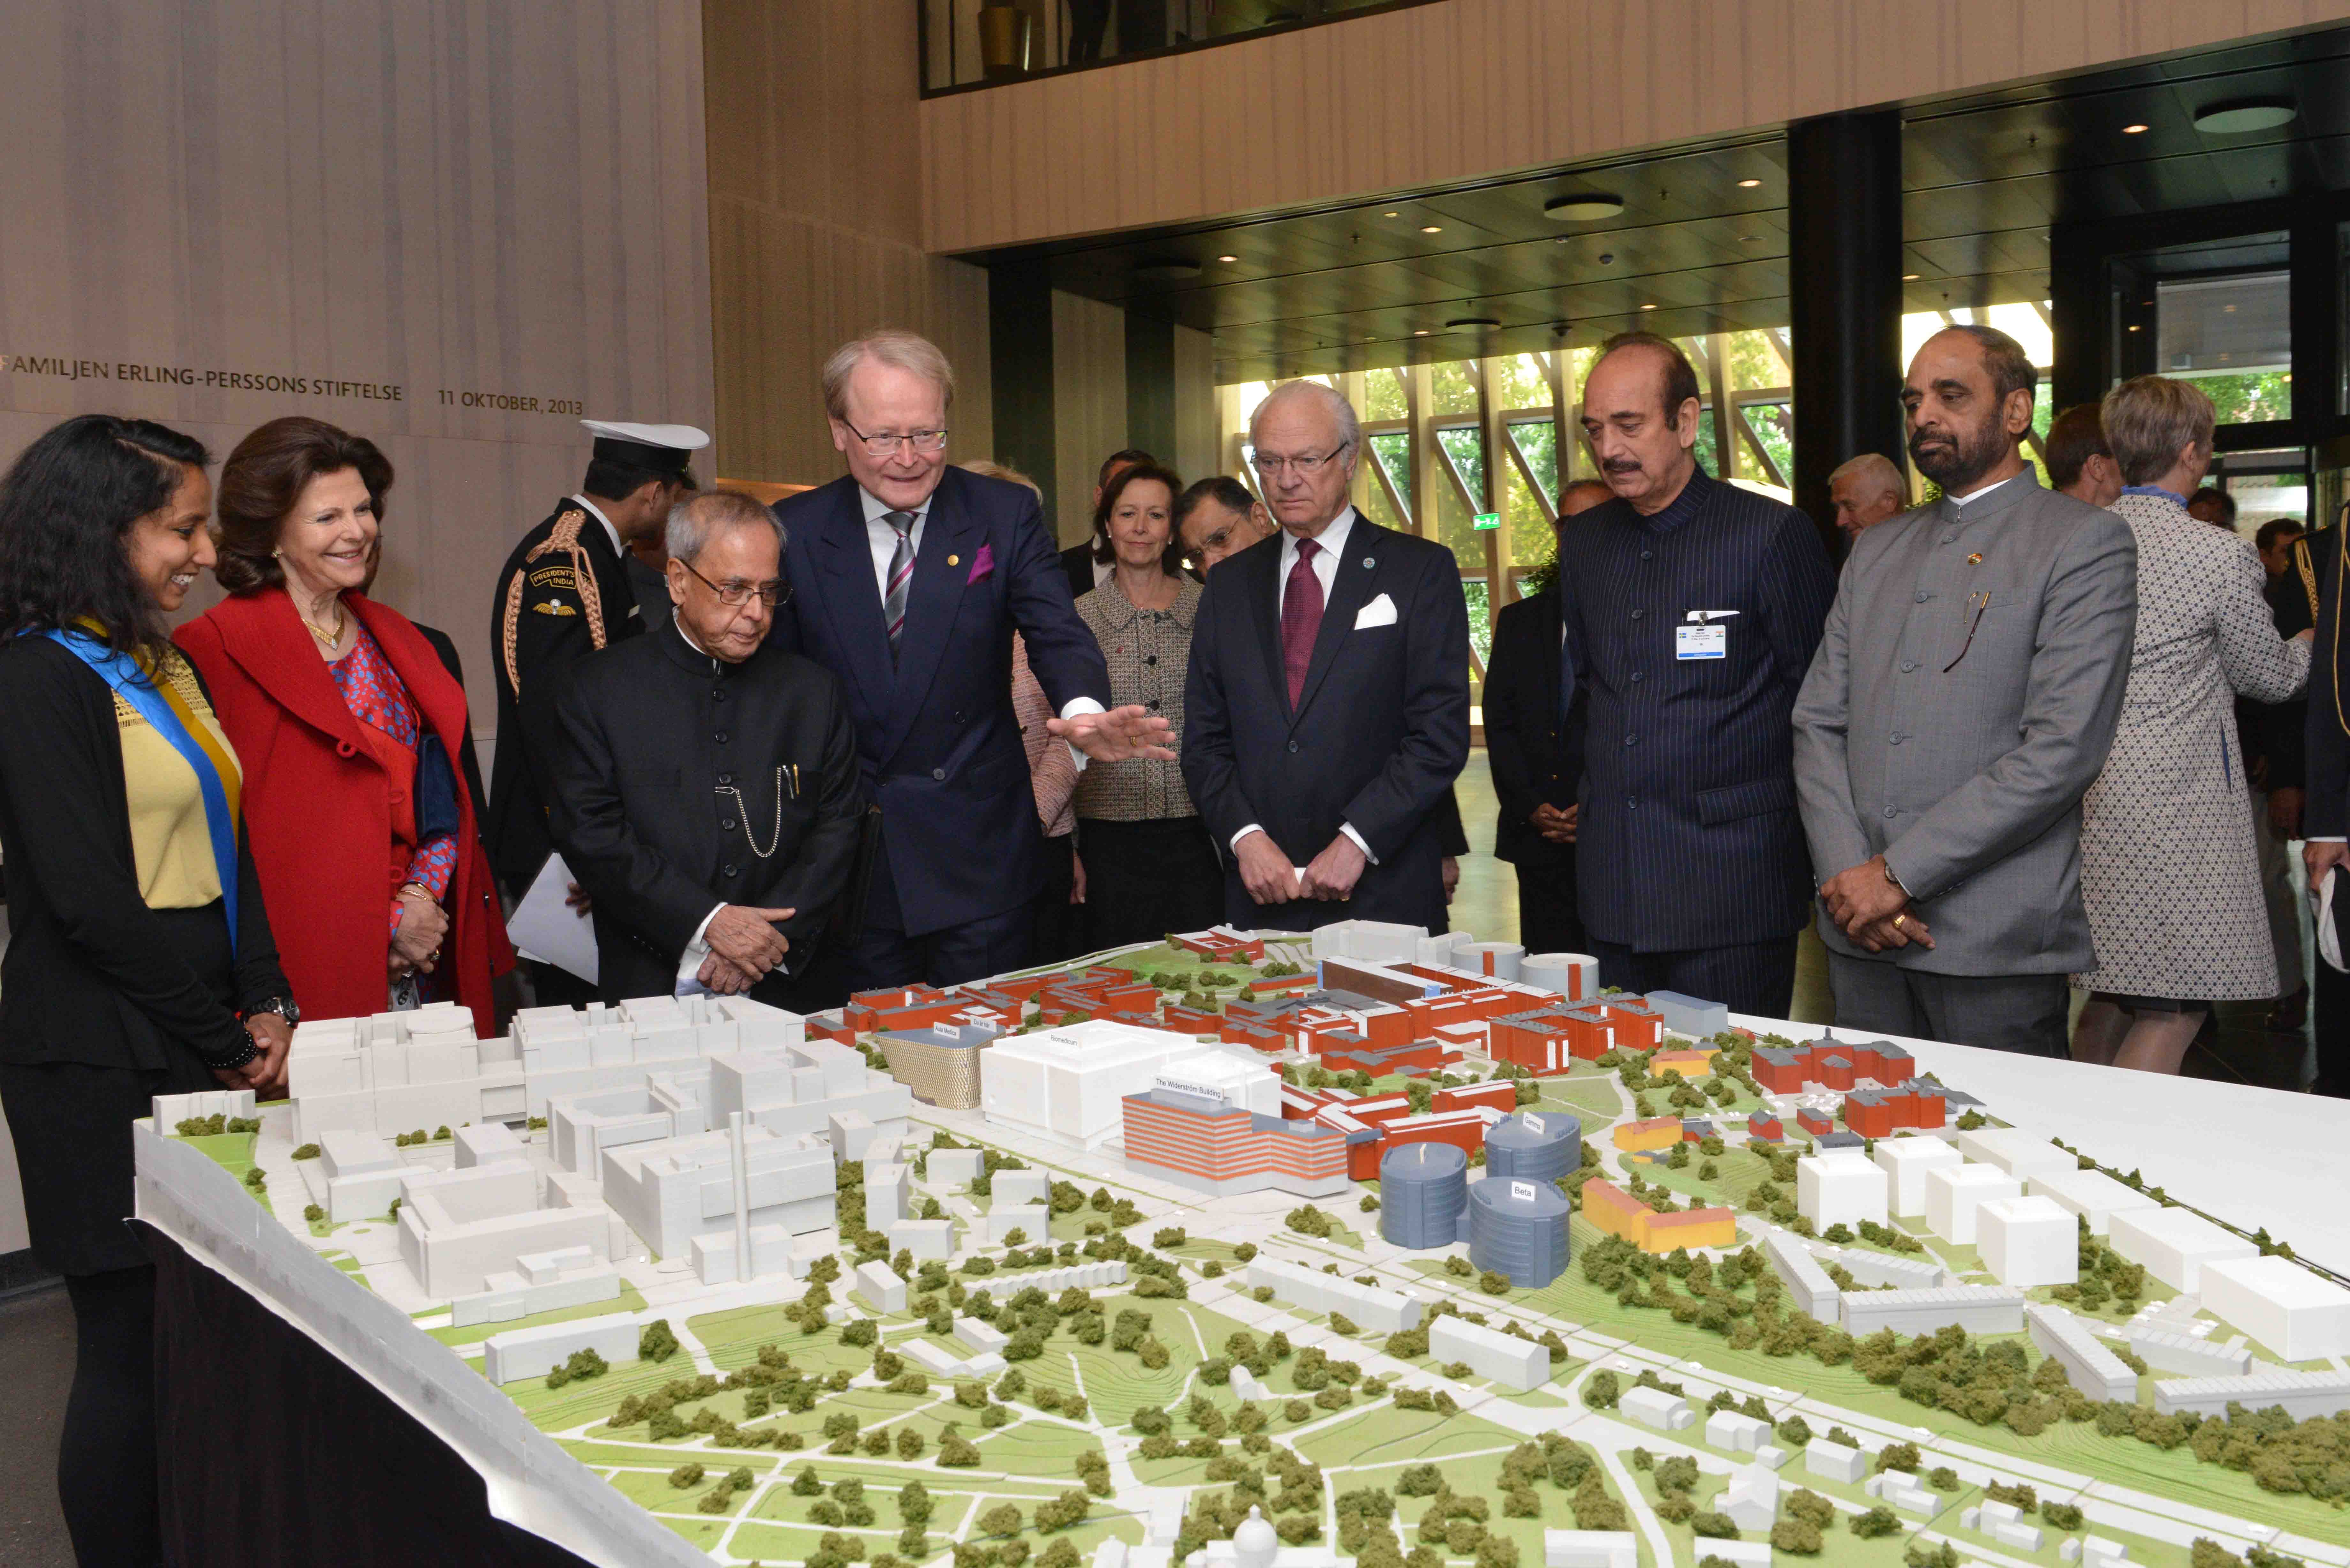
{"x": 889, "y": 345}
{"x": 988, "y": 468}
{"x": 2146, "y": 421}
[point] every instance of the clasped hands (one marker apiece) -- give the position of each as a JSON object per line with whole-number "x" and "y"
{"x": 265, "y": 1074}
{"x": 1272, "y": 877}
{"x": 416, "y": 942}
{"x": 1119, "y": 736}
{"x": 1555, "y": 822}
{"x": 1871, "y": 908}
{"x": 743, "y": 946}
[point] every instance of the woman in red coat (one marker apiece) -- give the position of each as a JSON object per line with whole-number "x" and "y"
{"x": 345, "y": 721}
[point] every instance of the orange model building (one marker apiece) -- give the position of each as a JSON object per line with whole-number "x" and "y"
{"x": 1690, "y": 1061}
{"x": 1616, "y": 1213}
{"x": 1657, "y": 1132}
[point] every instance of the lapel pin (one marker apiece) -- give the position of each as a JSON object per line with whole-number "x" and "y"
{"x": 1975, "y": 559}
{"x": 957, "y": 560}
{"x": 1368, "y": 563}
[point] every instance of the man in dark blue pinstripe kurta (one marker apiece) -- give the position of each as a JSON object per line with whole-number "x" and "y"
{"x": 1691, "y": 609}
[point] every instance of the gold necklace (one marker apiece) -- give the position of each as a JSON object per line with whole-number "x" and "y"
{"x": 327, "y": 640}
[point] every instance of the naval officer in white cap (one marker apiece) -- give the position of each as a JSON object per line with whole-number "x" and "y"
{"x": 563, "y": 594}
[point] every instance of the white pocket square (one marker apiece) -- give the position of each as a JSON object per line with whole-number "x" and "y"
{"x": 1380, "y": 611}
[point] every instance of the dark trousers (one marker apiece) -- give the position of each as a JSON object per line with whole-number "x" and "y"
{"x": 2025, "y": 1013}
{"x": 1144, "y": 879}
{"x": 1057, "y": 926}
{"x": 2329, "y": 1024}
{"x": 553, "y": 987}
{"x": 1757, "y": 977}
{"x": 106, "y": 1454}
{"x": 882, "y": 954}
{"x": 1548, "y": 920}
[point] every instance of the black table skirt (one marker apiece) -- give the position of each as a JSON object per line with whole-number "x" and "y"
{"x": 275, "y": 1452}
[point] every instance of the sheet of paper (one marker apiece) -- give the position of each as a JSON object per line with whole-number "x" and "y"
{"x": 544, "y": 928}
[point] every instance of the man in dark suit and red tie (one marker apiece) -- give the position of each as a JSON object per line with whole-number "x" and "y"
{"x": 909, "y": 577}
{"x": 1327, "y": 713}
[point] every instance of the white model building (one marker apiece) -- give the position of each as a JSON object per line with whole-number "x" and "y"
{"x": 1835, "y": 1462}
{"x": 956, "y": 1166}
{"x": 459, "y": 1228}
{"x": 889, "y": 1188}
{"x": 1373, "y": 942}
{"x": 2166, "y": 1351}
{"x": 1033, "y": 1221}
{"x": 880, "y": 1287}
{"x": 1953, "y": 1193}
{"x": 2175, "y": 1245}
{"x": 1900, "y": 1490}
{"x": 673, "y": 1190}
{"x": 2016, "y": 1152}
{"x": 2303, "y": 1394}
{"x": 1590, "y": 1549}
{"x": 1013, "y": 1187}
{"x": 399, "y": 1072}
{"x": 2088, "y": 1365}
{"x": 2291, "y": 1312}
{"x": 2004, "y": 1523}
{"x": 539, "y": 1281}
{"x": 569, "y": 1051}
{"x": 1977, "y": 1309}
{"x": 1883, "y": 1268}
{"x": 361, "y": 1173}
{"x": 1513, "y": 1362}
{"x": 1906, "y": 1161}
{"x": 1688, "y": 1015}
{"x": 800, "y": 1086}
{"x": 1842, "y": 1187}
{"x": 1224, "y": 1078}
{"x": 659, "y": 1106}
{"x": 1655, "y": 1407}
{"x": 1574, "y": 976}
{"x": 2028, "y": 1242}
{"x": 1814, "y": 1293}
{"x": 521, "y": 1353}
{"x": 1069, "y": 1084}
{"x": 170, "y": 1110}
{"x": 1751, "y": 1498}
{"x": 2091, "y": 1194}
{"x": 1370, "y": 1307}
{"x": 1737, "y": 1431}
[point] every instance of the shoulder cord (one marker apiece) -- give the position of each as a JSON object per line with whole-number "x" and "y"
{"x": 563, "y": 539}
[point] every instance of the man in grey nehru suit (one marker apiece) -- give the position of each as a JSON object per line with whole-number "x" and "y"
{"x": 1962, "y": 701}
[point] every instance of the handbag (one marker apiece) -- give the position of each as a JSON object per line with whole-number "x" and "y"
{"x": 435, "y": 793}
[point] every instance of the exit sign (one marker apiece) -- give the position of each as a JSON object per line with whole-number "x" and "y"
{"x": 1488, "y": 520}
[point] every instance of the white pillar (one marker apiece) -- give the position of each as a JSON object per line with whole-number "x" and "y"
{"x": 742, "y": 1198}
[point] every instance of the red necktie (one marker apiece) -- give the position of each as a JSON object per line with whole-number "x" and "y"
{"x": 1301, "y": 619}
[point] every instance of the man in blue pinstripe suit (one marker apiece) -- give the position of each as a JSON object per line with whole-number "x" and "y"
{"x": 1691, "y": 610}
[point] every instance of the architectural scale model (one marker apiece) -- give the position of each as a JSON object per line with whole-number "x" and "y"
{"x": 1270, "y": 1250}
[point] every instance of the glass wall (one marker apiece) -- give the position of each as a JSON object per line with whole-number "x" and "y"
{"x": 1427, "y": 468}
{"x": 975, "y": 43}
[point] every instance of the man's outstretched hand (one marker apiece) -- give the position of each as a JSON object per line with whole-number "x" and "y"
{"x": 1117, "y": 736}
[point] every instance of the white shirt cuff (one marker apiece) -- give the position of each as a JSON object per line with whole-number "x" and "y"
{"x": 1348, "y": 829}
{"x": 1244, "y": 833}
{"x": 1075, "y": 706}
{"x": 688, "y": 962}
{"x": 2323, "y": 838}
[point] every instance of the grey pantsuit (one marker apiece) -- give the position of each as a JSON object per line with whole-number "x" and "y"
{"x": 1962, "y": 701}
{"x": 2169, "y": 869}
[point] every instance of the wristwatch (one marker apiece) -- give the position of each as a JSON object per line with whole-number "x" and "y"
{"x": 281, "y": 1005}
{"x": 1890, "y": 877}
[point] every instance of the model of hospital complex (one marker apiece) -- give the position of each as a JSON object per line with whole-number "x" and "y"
{"x": 1413, "y": 1153}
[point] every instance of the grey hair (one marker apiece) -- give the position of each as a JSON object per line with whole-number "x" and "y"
{"x": 988, "y": 468}
{"x": 2011, "y": 368}
{"x": 1350, "y": 429}
{"x": 1874, "y": 467}
{"x": 2148, "y": 418}
{"x": 890, "y": 345}
{"x": 694, "y": 520}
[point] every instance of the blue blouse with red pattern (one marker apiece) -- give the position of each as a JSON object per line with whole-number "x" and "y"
{"x": 376, "y": 696}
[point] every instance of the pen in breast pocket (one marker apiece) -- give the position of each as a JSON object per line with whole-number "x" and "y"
{"x": 1978, "y": 602}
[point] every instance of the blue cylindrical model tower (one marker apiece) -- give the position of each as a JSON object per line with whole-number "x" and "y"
{"x": 1518, "y": 1229}
{"x": 1423, "y": 1188}
{"x": 1534, "y": 1146}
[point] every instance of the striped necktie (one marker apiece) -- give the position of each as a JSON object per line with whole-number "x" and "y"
{"x": 901, "y": 578}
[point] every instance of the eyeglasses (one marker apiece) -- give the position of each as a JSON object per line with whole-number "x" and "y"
{"x": 1305, "y": 467}
{"x": 735, "y": 595}
{"x": 887, "y": 445}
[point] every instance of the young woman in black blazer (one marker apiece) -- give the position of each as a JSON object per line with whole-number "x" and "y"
{"x": 140, "y": 959}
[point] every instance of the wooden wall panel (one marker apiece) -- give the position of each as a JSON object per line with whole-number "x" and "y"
{"x": 1433, "y": 94}
{"x": 1088, "y": 403}
{"x": 430, "y": 199}
{"x": 816, "y": 198}
{"x": 1198, "y": 437}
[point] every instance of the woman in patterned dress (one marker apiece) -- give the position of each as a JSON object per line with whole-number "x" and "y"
{"x": 348, "y": 722}
{"x": 2169, "y": 870}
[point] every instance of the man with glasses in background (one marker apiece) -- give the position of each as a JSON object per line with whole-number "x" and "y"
{"x": 908, "y": 578}
{"x": 706, "y": 791}
{"x": 1326, "y": 712}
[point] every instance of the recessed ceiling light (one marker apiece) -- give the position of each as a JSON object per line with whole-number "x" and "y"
{"x": 1607, "y": 259}
{"x": 1423, "y": 331}
{"x": 1390, "y": 214}
{"x": 1748, "y": 184}
{"x": 1460, "y": 321}
{"x": 2242, "y": 115}
{"x": 1228, "y": 258}
{"x": 1648, "y": 307}
{"x": 2133, "y": 326}
{"x": 1751, "y": 239}
{"x": 1909, "y": 277}
{"x": 1583, "y": 207}
{"x": 2135, "y": 129}
{"x": 1432, "y": 228}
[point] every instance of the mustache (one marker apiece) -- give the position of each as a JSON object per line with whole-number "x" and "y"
{"x": 1621, "y": 465}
